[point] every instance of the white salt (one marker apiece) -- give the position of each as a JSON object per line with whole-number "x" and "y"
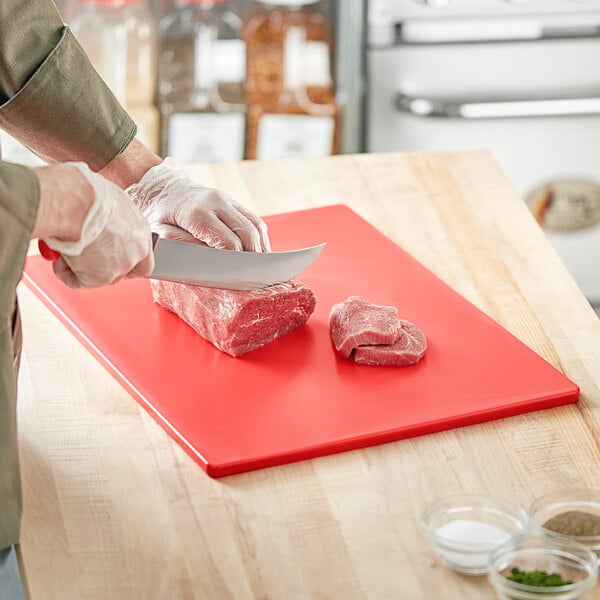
{"x": 465, "y": 545}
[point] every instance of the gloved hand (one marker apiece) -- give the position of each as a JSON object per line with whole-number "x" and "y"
{"x": 180, "y": 208}
{"x": 115, "y": 239}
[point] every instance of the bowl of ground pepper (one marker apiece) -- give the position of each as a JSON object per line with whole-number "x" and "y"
{"x": 572, "y": 514}
{"x": 538, "y": 569}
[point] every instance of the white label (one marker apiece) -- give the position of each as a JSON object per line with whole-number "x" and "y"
{"x": 288, "y": 136}
{"x": 206, "y": 137}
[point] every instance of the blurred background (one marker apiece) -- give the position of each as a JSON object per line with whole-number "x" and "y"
{"x": 265, "y": 79}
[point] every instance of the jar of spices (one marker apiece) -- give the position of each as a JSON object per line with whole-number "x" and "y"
{"x": 119, "y": 36}
{"x": 292, "y": 110}
{"x": 200, "y": 82}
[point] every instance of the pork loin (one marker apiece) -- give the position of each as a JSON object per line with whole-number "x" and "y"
{"x": 371, "y": 334}
{"x": 237, "y": 321}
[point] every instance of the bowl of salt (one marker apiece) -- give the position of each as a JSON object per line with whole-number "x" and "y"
{"x": 463, "y": 529}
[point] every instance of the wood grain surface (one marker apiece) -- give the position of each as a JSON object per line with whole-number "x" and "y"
{"x": 116, "y": 510}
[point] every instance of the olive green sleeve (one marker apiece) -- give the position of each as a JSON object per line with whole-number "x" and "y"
{"x": 19, "y": 197}
{"x": 51, "y": 98}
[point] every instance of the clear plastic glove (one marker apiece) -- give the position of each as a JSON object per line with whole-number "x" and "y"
{"x": 180, "y": 208}
{"x": 115, "y": 239}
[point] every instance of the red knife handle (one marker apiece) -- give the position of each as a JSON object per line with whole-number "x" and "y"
{"x": 47, "y": 252}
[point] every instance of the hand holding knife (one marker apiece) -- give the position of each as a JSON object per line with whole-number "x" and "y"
{"x": 211, "y": 267}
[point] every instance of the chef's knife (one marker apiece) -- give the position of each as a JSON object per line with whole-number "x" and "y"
{"x": 211, "y": 267}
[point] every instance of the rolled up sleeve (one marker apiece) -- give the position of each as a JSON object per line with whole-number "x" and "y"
{"x": 53, "y": 100}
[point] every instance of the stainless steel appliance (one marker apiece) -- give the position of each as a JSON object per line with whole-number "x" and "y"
{"x": 521, "y": 78}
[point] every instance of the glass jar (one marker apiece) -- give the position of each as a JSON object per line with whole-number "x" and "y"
{"x": 119, "y": 37}
{"x": 292, "y": 109}
{"x": 201, "y": 82}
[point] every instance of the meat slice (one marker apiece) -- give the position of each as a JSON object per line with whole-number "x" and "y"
{"x": 371, "y": 334}
{"x": 357, "y": 322}
{"x": 236, "y": 321}
{"x": 408, "y": 349}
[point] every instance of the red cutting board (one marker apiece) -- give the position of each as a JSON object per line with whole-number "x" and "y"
{"x": 295, "y": 398}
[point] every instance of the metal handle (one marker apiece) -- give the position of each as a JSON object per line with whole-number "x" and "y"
{"x": 492, "y": 109}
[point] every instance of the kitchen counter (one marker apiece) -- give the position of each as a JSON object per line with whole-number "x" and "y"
{"x": 115, "y": 509}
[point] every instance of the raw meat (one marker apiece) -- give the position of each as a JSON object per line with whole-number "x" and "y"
{"x": 371, "y": 334}
{"x": 356, "y": 322}
{"x": 409, "y": 348}
{"x": 235, "y": 321}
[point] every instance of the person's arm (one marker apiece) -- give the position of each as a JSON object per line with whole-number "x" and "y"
{"x": 18, "y": 207}
{"x": 57, "y": 105}
{"x": 51, "y": 98}
{"x": 131, "y": 165}
{"x": 19, "y": 197}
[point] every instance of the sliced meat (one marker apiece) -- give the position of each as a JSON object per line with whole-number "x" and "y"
{"x": 371, "y": 334}
{"x": 408, "y": 349}
{"x": 235, "y": 321}
{"x": 357, "y": 322}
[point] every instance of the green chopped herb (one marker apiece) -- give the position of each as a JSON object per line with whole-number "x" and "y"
{"x": 537, "y": 578}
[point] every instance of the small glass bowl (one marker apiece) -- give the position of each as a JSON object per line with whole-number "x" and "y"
{"x": 561, "y": 502}
{"x": 463, "y": 529}
{"x": 569, "y": 559}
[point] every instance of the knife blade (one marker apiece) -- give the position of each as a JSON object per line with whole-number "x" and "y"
{"x": 230, "y": 269}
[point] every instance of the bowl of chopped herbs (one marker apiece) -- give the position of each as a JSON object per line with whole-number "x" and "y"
{"x": 539, "y": 569}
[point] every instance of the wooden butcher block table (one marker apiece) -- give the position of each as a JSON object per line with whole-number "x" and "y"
{"x": 115, "y": 509}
